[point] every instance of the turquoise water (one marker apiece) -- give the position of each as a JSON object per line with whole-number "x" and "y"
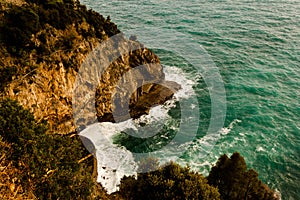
{"x": 256, "y": 47}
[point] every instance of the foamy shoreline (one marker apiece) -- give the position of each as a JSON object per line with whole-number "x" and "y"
{"x": 113, "y": 161}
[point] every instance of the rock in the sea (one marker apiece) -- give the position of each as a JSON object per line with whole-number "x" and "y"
{"x": 128, "y": 79}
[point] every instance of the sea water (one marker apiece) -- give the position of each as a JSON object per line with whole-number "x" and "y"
{"x": 256, "y": 48}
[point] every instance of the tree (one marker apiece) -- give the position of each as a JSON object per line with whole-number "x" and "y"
{"x": 234, "y": 181}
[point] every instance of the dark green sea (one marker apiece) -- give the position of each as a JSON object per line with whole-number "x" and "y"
{"x": 256, "y": 47}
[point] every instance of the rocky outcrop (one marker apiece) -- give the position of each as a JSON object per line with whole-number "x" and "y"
{"x": 126, "y": 88}
{"x": 45, "y": 69}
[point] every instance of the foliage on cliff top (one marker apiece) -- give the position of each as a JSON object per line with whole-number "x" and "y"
{"x": 19, "y": 23}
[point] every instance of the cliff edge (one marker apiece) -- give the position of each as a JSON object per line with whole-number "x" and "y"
{"x": 42, "y": 47}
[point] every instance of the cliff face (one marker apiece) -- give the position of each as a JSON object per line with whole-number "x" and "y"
{"x": 40, "y": 71}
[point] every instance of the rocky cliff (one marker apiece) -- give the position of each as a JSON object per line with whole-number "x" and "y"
{"x": 44, "y": 44}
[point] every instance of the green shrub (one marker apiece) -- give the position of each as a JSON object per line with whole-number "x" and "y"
{"x": 56, "y": 168}
{"x": 49, "y": 162}
{"x": 168, "y": 182}
{"x": 18, "y": 126}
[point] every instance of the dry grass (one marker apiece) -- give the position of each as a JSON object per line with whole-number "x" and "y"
{"x": 10, "y": 185}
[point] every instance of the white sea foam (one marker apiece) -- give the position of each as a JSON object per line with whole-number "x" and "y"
{"x": 226, "y": 130}
{"x": 199, "y": 149}
{"x": 114, "y": 161}
{"x": 157, "y": 113}
{"x": 176, "y": 74}
{"x": 259, "y": 148}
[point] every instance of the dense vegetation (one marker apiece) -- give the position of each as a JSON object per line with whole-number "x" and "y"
{"x": 48, "y": 165}
{"x": 20, "y": 22}
{"x": 169, "y": 182}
